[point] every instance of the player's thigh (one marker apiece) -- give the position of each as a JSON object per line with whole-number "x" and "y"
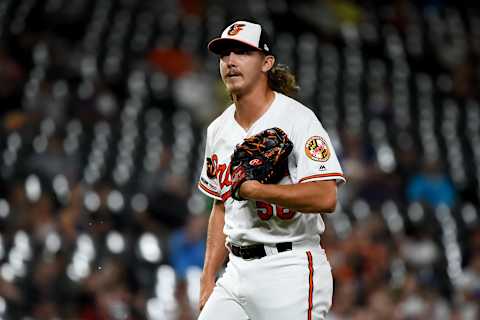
{"x": 221, "y": 305}
{"x": 322, "y": 292}
{"x": 298, "y": 286}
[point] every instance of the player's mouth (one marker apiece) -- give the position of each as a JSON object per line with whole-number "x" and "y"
{"x": 233, "y": 74}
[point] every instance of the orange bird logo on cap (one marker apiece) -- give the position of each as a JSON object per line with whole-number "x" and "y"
{"x": 235, "y": 28}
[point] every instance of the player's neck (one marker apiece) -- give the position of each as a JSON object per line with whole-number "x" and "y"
{"x": 250, "y": 107}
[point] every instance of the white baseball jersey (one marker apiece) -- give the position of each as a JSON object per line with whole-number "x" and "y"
{"x": 312, "y": 159}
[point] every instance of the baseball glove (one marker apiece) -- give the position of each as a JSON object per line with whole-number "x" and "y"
{"x": 262, "y": 157}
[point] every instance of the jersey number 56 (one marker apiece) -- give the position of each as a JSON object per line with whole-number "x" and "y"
{"x": 266, "y": 210}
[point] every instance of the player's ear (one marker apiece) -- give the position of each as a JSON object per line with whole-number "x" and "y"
{"x": 268, "y": 63}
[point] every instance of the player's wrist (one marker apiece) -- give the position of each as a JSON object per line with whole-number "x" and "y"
{"x": 249, "y": 189}
{"x": 208, "y": 278}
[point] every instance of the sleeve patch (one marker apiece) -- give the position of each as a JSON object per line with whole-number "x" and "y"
{"x": 316, "y": 149}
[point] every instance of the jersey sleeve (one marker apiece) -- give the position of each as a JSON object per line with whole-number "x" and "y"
{"x": 208, "y": 182}
{"x": 316, "y": 159}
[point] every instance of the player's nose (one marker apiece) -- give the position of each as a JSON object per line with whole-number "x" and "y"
{"x": 230, "y": 58}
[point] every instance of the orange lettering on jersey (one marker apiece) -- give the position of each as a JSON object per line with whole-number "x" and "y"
{"x": 220, "y": 171}
{"x": 212, "y": 164}
{"x": 223, "y": 175}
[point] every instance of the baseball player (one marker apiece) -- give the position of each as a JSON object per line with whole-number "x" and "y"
{"x": 270, "y": 232}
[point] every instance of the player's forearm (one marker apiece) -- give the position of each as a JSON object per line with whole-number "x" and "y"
{"x": 216, "y": 252}
{"x": 310, "y": 197}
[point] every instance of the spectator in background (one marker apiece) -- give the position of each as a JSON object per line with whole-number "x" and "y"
{"x": 186, "y": 251}
{"x": 431, "y": 186}
{"x": 345, "y": 304}
{"x": 420, "y": 252}
{"x": 380, "y": 304}
{"x": 187, "y": 245}
{"x": 468, "y": 290}
{"x": 418, "y": 301}
{"x": 357, "y": 162}
{"x": 109, "y": 293}
{"x": 11, "y": 77}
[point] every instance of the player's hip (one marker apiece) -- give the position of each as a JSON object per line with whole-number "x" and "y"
{"x": 293, "y": 284}
{"x": 277, "y": 255}
{"x": 254, "y": 235}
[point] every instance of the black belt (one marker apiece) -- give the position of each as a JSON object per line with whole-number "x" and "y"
{"x": 256, "y": 251}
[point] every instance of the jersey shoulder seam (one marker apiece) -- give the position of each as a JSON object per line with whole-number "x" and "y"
{"x": 296, "y": 106}
{"x": 215, "y": 125}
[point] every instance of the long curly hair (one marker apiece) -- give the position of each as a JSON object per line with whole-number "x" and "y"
{"x": 282, "y": 80}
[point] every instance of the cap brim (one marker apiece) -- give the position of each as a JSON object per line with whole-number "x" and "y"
{"x": 218, "y": 45}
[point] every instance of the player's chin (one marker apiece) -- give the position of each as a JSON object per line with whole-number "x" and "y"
{"x": 234, "y": 88}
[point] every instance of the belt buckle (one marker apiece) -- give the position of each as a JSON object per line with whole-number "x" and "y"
{"x": 244, "y": 253}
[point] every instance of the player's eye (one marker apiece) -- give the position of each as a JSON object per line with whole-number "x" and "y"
{"x": 240, "y": 51}
{"x": 224, "y": 53}
{"x": 237, "y": 51}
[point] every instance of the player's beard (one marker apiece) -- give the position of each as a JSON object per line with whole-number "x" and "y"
{"x": 240, "y": 87}
{"x": 236, "y": 87}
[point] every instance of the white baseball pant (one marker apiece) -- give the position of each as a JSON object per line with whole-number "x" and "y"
{"x": 289, "y": 285}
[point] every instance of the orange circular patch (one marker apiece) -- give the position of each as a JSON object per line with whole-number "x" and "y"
{"x": 316, "y": 149}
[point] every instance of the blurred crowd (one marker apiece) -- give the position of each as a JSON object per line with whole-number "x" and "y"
{"x": 104, "y": 106}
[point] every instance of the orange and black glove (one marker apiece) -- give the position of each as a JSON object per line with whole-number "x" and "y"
{"x": 262, "y": 157}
